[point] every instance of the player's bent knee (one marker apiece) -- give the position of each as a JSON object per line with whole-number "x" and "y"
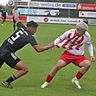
{"x": 87, "y": 64}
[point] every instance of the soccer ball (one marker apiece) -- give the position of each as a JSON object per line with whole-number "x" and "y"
{"x": 11, "y": 3}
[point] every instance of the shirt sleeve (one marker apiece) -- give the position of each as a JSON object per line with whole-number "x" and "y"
{"x": 20, "y": 25}
{"x": 32, "y": 40}
{"x": 88, "y": 38}
{"x": 90, "y": 46}
{"x": 90, "y": 49}
{"x": 61, "y": 38}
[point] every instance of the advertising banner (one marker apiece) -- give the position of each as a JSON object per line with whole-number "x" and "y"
{"x": 42, "y": 12}
{"x": 86, "y": 6}
{"x": 52, "y": 5}
{"x": 92, "y": 21}
{"x": 54, "y": 20}
{"x": 10, "y": 18}
{"x": 87, "y": 14}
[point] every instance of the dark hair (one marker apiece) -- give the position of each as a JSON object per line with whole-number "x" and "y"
{"x": 31, "y": 24}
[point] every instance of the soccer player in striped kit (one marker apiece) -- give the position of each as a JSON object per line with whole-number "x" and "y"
{"x": 73, "y": 41}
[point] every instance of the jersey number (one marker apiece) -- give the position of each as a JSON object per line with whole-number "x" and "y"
{"x": 17, "y": 35}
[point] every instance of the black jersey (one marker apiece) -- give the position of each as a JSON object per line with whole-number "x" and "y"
{"x": 19, "y": 39}
{"x": 3, "y": 13}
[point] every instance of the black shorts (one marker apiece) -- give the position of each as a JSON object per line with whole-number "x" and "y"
{"x": 4, "y": 17}
{"x": 8, "y": 57}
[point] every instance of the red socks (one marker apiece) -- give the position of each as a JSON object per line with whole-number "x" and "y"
{"x": 49, "y": 78}
{"x": 79, "y": 75}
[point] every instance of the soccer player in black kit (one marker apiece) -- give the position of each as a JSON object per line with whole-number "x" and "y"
{"x": 14, "y": 24}
{"x": 3, "y": 14}
{"x": 21, "y": 37}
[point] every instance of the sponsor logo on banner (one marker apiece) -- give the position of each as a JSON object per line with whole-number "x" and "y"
{"x": 22, "y": 3}
{"x": 86, "y": 6}
{"x": 34, "y": 4}
{"x": 69, "y": 6}
{"x": 46, "y": 19}
{"x": 87, "y": 14}
{"x": 58, "y": 5}
{"x": 11, "y": 3}
{"x": 47, "y": 4}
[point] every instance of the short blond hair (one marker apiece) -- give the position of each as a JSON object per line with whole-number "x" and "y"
{"x": 82, "y": 25}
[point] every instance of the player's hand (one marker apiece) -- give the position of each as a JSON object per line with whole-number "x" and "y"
{"x": 51, "y": 45}
{"x": 92, "y": 58}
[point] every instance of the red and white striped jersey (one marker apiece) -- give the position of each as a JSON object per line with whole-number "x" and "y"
{"x": 72, "y": 42}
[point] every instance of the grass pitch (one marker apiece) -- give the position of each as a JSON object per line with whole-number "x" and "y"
{"x": 40, "y": 64}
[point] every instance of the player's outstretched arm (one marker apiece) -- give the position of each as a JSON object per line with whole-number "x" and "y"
{"x": 16, "y": 17}
{"x": 39, "y": 48}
